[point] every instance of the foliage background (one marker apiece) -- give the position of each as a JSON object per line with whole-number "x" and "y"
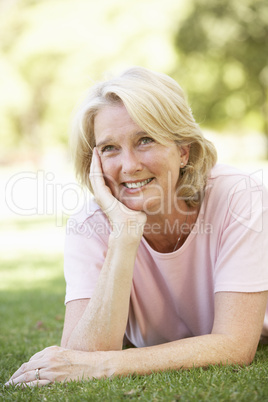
{"x": 52, "y": 50}
{"x": 224, "y": 62}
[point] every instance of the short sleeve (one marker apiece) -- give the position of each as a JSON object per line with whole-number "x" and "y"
{"x": 86, "y": 243}
{"x": 242, "y": 261}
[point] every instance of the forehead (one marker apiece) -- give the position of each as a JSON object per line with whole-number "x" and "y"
{"x": 112, "y": 121}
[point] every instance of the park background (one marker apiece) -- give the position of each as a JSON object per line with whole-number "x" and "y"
{"x": 51, "y": 51}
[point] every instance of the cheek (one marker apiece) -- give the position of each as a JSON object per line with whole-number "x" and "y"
{"x": 109, "y": 168}
{"x": 174, "y": 159}
{"x": 165, "y": 161}
{"x": 153, "y": 161}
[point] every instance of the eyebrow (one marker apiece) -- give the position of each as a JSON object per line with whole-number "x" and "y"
{"x": 104, "y": 142}
{"x": 110, "y": 140}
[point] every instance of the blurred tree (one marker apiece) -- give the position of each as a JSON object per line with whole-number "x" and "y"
{"x": 39, "y": 75}
{"x": 52, "y": 50}
{"x": 223, "y": 50}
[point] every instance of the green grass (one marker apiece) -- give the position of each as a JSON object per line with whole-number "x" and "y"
{"x": 31, "y": 318}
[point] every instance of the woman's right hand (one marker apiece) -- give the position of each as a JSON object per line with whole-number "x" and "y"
{"x": 100, "y": 324}
{"x": 124, "y": 221}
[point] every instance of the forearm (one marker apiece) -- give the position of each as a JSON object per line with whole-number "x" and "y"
{"x": 103, "y": 323}
{"x": 183, "y": 354}
{"x": 59, "y": 364}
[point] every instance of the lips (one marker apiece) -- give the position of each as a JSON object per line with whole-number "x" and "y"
{"x": 137, "y": 184}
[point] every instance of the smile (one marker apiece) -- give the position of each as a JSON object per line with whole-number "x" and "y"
{"x": 138, "y": 184}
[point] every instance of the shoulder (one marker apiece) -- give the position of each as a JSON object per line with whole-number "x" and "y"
{"x": 89, "y": 217}
{"x": 227, "y": 182}
{"x": 223, "y": 174}
{"x": 232, "y": 195}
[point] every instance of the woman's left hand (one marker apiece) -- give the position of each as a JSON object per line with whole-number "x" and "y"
{"x": 57, "y": 364}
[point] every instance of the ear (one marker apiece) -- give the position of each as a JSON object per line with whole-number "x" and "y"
{"x": 185, "y": 152}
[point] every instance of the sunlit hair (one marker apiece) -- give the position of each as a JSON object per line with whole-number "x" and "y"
{"x": 157, "y": 104}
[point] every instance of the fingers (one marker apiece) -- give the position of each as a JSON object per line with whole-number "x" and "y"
{"x": 27, "y": 376}
{"x": 41, "y": 369}
{"x": 123, "y": 220}
{"x": 102, "y": 192}
{"x": 35, "y": 383}
{"x": 27, "y": 373}
{"x": 96, "y": 173}
{"x": 24, "y": 368}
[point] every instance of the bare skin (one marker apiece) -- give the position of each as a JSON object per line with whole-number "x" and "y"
{"x": 93, "y": 332}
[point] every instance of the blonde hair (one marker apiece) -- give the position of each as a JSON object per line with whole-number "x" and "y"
{"x": 157, "y": 104}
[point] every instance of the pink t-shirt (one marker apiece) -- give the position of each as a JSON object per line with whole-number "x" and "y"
{"x": 172, "y": 295}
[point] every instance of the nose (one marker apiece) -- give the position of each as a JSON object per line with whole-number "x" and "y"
{"x": 131, "y": 162}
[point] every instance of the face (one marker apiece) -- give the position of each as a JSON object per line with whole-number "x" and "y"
{"x": 140, "y": 172}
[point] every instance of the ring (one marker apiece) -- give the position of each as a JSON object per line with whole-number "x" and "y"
{"x": 37, "y": 374}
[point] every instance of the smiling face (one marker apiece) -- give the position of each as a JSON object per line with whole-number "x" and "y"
{"x": 140, "y": 172}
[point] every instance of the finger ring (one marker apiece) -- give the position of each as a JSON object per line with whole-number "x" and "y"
{"x": 37, "y": 374}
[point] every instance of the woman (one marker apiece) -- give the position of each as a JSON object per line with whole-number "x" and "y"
{"x": 172, "y": 255}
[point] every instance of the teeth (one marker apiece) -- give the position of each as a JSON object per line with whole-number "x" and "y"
{"x": 138, "y": 184}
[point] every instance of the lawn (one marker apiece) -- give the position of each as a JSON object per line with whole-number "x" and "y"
{"x": 31, "y": 318}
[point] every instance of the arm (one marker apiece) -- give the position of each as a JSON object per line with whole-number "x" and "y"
{"x": 233, "y": 340}
{"x": 73, "y": 313}
{"x": 104, "y": 318}
{"x": 100, "y": 324}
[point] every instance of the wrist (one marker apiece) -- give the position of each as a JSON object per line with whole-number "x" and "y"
{"x": 129, "y": 233}
{"x": 110, "y": 363}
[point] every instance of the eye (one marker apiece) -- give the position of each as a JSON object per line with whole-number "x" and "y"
{"x": 107, "y": 148}
{"x": 146, "y": 140}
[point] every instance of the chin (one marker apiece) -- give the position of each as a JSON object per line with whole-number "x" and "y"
{"x": 135, "y": 206}
{"x": 149, "y": 209}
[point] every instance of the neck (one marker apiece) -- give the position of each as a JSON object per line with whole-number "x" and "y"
{"x": 167, "y": 233}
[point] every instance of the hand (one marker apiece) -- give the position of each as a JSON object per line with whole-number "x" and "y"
{"x": 123, "y": 220}
{"x": 58, "y": 364}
